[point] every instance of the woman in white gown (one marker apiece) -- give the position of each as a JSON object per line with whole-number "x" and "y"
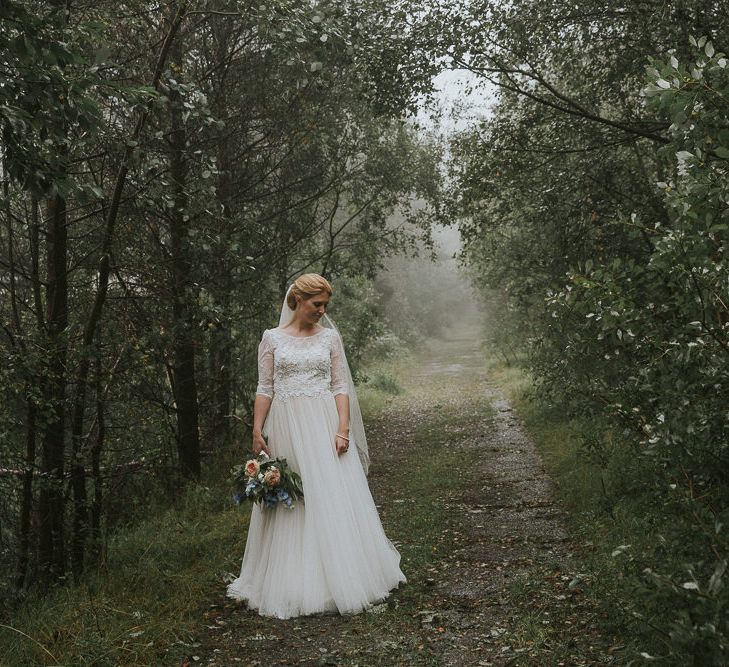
{"x": 329, "y": 552}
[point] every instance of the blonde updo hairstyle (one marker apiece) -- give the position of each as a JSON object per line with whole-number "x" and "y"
{"x": 307, "y": 286}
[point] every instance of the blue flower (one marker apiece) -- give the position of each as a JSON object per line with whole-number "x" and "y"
{"x": 238, "y": 497}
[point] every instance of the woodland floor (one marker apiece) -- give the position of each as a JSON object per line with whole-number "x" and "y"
{"x": 491, "y": 569}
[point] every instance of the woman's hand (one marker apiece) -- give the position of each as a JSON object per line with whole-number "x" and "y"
{"x": 341, "y": 444}
{"x": 259, "y": 445}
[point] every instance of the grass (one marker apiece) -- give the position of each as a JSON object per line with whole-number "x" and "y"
{"x": 602, "y": 515}
{"x": 386, "y": 383}
{"x": 144, "y": 605}
{"x": 143, "y": 600}
{"x": 382, "y": 386}
{"x": 420, "y": 519}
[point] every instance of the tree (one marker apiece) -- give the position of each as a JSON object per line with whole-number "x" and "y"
{"x": 595, "y": 206}
{"x": 167, "y": 169}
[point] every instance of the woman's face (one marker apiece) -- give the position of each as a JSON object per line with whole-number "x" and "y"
{"x": 313, "y": 308}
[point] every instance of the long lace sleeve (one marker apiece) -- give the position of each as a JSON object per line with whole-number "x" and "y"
{"x": 340, "y": 383}
{"x": 265, "y": 366}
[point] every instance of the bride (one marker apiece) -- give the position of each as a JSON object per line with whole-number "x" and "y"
{"x": 329, "y": 552}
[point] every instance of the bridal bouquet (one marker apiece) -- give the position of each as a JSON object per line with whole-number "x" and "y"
{"x": 268, "y": 481}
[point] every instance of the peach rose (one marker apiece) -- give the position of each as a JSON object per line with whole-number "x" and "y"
{"x": 272, "y": 477}
{"x": 252, "y": 468}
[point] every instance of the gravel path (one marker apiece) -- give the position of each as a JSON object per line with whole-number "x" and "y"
{"x": 490, "y": 566}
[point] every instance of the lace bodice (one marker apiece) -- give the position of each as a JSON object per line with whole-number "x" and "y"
{"x": 301, "y": 366}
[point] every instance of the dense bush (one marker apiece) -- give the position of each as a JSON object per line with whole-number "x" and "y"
{"x": 648, "y": 345}
{"x": 623, "y": 305}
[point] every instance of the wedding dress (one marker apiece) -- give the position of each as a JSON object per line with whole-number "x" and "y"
{"x": 329, "y": 552}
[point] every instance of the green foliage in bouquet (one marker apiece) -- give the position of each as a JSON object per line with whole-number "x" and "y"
{"x": 268, "y": 481}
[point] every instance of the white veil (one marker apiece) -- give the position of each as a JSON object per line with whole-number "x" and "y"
{"x": 356, "y": 427}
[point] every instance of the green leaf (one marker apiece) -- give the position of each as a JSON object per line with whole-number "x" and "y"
{"x": 102, "y": 54}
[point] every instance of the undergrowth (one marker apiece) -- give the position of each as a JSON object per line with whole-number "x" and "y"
{"x": 625, "y": 539}
{"x": 142, "y": 600}
{"x": 142, "y": 604}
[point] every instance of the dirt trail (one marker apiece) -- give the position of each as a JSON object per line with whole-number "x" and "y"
{"x": 485, "y": 550}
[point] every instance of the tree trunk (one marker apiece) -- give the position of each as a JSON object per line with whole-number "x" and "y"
{"x": 184, "y": 383}
{"x": 78, "y": 479}
{"x": 220, "y": 340}
{"x": 26, "y": 504}
{"x": 96, "y": 450}
{"x": 31, "y": 429}
{"x": 27, "y": 498}
{"x": 33, "y": 239}
{"x": 51, "y": 550}
{"x": 220, "y": 359}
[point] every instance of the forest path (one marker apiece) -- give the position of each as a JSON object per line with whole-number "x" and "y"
{"x": 463, "y": 495}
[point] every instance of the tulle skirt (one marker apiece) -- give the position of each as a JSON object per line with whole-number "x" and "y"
{"x": 330, "y": 552}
